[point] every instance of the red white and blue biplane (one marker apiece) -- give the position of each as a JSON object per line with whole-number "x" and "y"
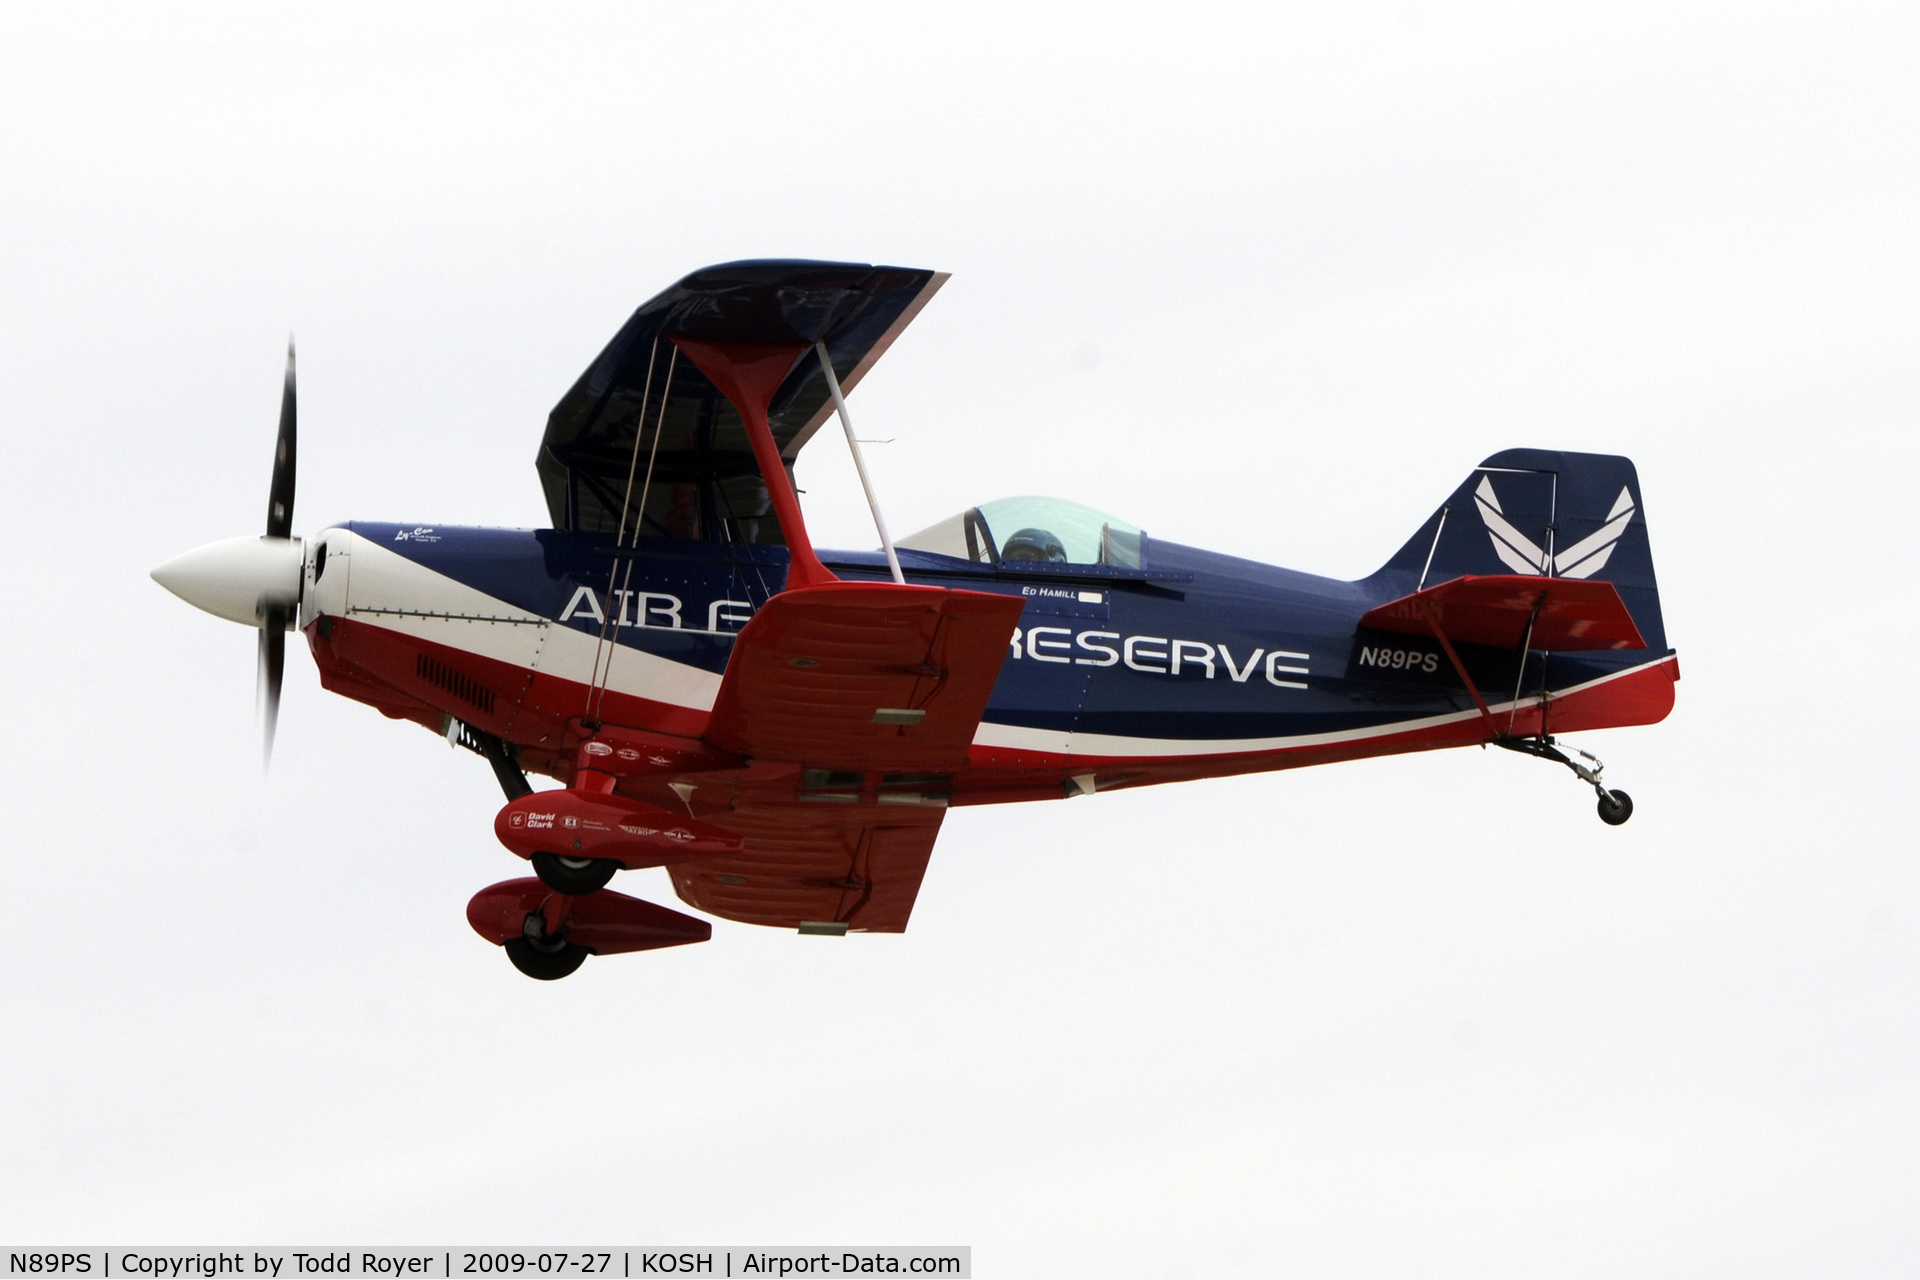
{"x": 784, "y": 729}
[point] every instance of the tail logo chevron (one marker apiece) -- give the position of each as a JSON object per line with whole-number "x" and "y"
{"x": 1519, "y": 552}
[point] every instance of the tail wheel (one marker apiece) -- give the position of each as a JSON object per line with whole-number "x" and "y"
{"x": 576, "y": 877}
{"x": 545, "y": 962}
{"x": 1615, "y": 807}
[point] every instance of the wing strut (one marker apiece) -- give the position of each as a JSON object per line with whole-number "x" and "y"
{"x": 748, "y": 374}
{"x": 859, "y": 463}
{"x": 1460, "y": 668}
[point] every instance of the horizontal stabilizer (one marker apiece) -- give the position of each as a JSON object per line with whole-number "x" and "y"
{"x": 864, "y": 675}
{"x": 1566, "y": 614}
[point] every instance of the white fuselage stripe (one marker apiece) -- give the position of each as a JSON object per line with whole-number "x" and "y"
{"x": 1056, "y": 742}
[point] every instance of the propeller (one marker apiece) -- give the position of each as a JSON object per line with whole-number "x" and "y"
{"x": 277, "y": 614}
{"x": 254, "y": 581}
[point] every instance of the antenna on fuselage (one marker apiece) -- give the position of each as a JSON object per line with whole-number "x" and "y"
{"x": 859, "y": 463}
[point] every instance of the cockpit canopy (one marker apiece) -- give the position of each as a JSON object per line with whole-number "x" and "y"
{"x": 1049, "y": 530}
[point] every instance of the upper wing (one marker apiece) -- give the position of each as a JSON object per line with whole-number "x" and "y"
{"x": 703, "y": 479}
{"x": 863, "y": 675}
{"x": 1504, "y": 610}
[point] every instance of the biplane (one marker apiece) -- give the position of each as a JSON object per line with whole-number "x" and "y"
{"x": 785, "y": 728}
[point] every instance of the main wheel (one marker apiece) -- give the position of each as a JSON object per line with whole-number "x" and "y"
{"x": 545, "y": 966}
{"x": 1615, "y": 807}
{"x": 573, "y": 876}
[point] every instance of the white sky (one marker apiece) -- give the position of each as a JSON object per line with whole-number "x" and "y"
{"x": 1262, "y": 279}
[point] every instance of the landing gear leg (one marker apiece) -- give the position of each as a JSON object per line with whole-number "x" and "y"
{"x": 1615, "y": 806}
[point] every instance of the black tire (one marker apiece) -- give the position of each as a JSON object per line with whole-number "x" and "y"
{"x": 1615, "y": 807}
{"x": 575, "y": 877}
{"x": 545, "y": 966}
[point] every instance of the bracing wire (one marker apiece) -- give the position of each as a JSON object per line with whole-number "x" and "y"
{"x": 597, "y": 692}
{"x": 620, "y": 532}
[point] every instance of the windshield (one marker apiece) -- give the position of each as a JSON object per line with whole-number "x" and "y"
{"x": 1049, "y": 530}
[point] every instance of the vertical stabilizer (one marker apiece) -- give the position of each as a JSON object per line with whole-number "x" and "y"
{"x": 1534, "y": 511}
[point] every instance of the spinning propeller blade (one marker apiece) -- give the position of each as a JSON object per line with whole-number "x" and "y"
{"x": 273, "y": 662}
{"x": 275, "y": 616}
{"x": 280, "y": 494}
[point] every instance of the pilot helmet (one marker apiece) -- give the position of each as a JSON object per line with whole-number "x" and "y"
{"x": 1032, "y": 544}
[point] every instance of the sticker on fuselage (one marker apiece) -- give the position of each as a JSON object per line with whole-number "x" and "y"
{"x": 1160, "y": 655}
{"x": 1382, "y": 657}
{"x": 1402, "y": 659}
{"x": 658, "y": 611}
{"x": 1074, "y": 595}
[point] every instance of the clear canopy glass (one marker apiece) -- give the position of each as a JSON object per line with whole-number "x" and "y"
{"x": 1050, "y": 530}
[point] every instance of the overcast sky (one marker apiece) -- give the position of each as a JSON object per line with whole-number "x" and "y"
{"x": 1263, "y": 279}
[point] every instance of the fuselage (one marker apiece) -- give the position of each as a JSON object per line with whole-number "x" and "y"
{"x": 1198, "y": 665}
